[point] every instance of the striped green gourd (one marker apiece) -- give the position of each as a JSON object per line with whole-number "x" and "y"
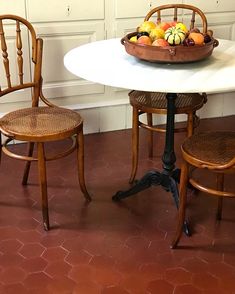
{"x": 174, "y": 36}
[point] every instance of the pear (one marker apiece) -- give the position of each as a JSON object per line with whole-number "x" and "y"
{"x": 157, "y": 33}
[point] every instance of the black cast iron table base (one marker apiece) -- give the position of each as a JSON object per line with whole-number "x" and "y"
{"x": 156, "y": 178}
{"x": 169, "y": 177}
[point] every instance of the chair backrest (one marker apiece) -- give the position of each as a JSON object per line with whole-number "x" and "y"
{"x": 21, "y": 62}
{"x": 175, "y": 8}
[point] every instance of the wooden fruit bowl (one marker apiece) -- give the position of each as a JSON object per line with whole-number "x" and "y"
{"x": 172, "y": 54}
{"x": 168, "y": 54}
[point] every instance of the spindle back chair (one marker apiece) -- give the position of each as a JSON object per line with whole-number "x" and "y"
{"x": 150, "y": 103}
{"x": 43, "y": 121}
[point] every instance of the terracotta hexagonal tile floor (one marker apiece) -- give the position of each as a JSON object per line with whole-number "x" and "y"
{"x": 107, "y": 247}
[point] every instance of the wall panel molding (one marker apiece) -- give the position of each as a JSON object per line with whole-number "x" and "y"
{"x": 64, "y": 25}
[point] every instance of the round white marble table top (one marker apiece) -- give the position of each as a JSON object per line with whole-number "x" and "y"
{"x": 106, "y": 62}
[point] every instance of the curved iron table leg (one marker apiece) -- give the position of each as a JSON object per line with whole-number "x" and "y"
{"x": 169, "y": 177}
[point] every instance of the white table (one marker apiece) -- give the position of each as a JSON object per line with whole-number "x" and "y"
{"x": 107, "y": 62}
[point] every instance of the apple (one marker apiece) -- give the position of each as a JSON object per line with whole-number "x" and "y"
{"x": 164, "y": 25}
{"x": 144, "y": 40}
{"x": 160, "y": 42}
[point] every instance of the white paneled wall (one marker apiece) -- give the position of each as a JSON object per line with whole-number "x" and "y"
{"x": 66, "y": 24}
{"x": 63, "y": 10}
{"x": 13, "y": 7}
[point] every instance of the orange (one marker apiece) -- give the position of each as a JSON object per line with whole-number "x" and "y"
{"x": 198, "y": 38}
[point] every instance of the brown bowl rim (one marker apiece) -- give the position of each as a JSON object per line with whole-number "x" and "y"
{"x": 174, "y": 49}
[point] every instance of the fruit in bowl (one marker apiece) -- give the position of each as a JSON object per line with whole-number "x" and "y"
{"x": 181, "y": 26}
{"x": 173, "y": 32}
{"x": 188, "y": 42}
{"x": 207, "y": 38}
{"x": 133, "y": 39}
{"x": 198, "y": 38}
{"x": 139, "y": 34}
{"x": 144, "y": 40}
{"x": 157, "y": 33}
{"x": 146, "y": 26}
{"x": 174, "y": 36}
{"x": 160, "y": 42}
{"x": 164, "y": 25}
{"x": 170, "y": 33}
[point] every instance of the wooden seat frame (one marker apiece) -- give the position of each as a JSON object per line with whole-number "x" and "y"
{"x": 56, "y": 123}
{"x": 150, "y": 103}
{"x": 216, "y": 155}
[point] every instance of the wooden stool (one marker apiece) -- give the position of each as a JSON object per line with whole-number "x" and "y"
{"x": 156, "y": 103}
{"x": 214, "y": 151}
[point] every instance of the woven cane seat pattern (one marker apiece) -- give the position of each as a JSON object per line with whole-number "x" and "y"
{"x": 157, "y": 100}
{"x": 40, "y": 121}
{"x": 215, "y": 148}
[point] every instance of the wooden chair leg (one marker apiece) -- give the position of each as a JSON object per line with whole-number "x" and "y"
{"x": 0, "y": 147}
{"x": 28, "y": 164}
{"x": 135, "y": 144}
{"x": 80, "y": 158}
{"x": 182, "y": 203}
{"x": 43, "y": 184}
{"x": 220, "y": 187}
{"x": 190, "y": 124}
{"x": 150, "y": 134}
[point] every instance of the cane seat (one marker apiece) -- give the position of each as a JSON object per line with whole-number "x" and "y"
{"x": 215, "y": 152}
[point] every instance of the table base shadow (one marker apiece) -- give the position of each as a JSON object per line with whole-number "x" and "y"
{"x": 156, "y": 178}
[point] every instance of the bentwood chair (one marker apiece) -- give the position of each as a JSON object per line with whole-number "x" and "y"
{"x": 150, "y": 103}
{"x": 40, "y": 123}
{"x": 214, "y": 151}
{"x": 155, "y": 103}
